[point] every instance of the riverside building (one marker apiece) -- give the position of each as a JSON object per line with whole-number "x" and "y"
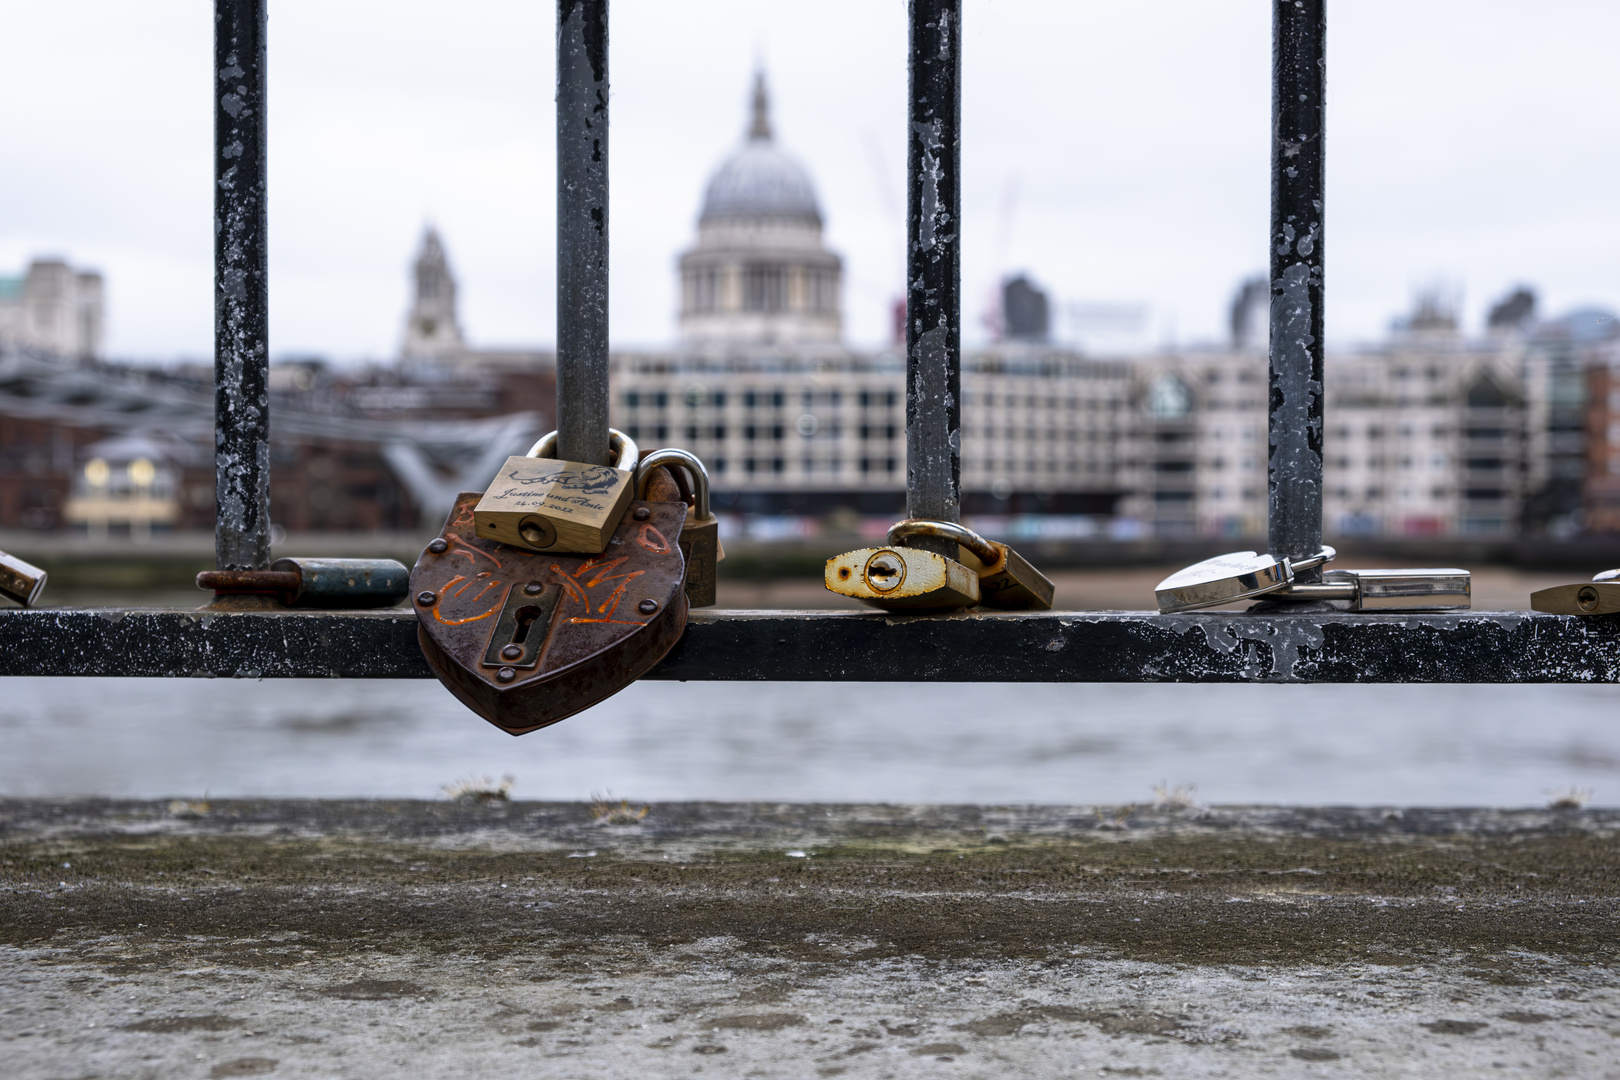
{"x": 1430, "y": 434}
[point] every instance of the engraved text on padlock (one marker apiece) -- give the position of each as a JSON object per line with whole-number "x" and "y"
{"x": 543, "y": 504}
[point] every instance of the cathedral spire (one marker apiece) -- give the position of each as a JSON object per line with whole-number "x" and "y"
{"x": 760, "y": 129}
{"x": 432, "y": 331}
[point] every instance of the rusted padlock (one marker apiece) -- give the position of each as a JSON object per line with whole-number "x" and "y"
{"x": 900, "y": 578}
{"x": 311, "y": 583}
{"x": 700, "y": 537}
{"x": 1006, "y": 579}
{"x": 543, "y": 504}
{"x": 525, "y": 638}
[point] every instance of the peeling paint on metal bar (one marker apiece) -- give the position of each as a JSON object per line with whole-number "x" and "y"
{"x": 933, "y": 269}
{"x": 1510, "y": 647}
{"x": 582, "y": 231}
{"x": 1299, "y": 81}
{"x": 241, "y": 290}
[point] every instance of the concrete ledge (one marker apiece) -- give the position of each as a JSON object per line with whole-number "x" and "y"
{"x": 865, "y": 647}
{"x": 314, "y": 938}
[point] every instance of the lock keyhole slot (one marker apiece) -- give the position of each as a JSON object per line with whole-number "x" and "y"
{"x": 537, "y": 532}
{"x": 525, "y": 622}
{"x": 885, "y": 571}
{"x": 1587, "y": 598}
{"x": 519, "y": 636}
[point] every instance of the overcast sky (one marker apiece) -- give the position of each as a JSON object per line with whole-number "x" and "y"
{"x": 1116, "y": 152}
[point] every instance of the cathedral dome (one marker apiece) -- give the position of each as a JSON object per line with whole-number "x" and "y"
{"x": 760, "y": 273}
{"x": 759, "y": 180}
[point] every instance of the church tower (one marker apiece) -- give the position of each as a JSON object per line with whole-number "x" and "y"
{"x": 760, "y": 273}
{"x": 431, "y": 329}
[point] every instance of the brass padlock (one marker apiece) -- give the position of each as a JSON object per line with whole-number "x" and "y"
{"x": 700, "y": 536}
{"x": 525, "y": 639}
{"x": 1006, "y": 579}
{"x": 900, "y": 578}
{"x": 1601, "y": 597}
{"x": 543, "y": 504}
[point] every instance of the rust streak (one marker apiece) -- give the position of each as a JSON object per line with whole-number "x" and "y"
{"x": 647, "y": 531}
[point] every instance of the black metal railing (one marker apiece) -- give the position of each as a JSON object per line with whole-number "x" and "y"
{"x": 1299, "y": 646}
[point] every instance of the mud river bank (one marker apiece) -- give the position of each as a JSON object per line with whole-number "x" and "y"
{"x": 360, "y": 939}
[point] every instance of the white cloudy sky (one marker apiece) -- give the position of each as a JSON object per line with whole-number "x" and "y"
{"x": 1117, "y": 152}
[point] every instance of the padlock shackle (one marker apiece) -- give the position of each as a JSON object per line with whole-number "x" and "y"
{"x": 694, "y": 468}
{"x": 982, "y": 549}
{"x": 624, "y": 448}
{"x": 1326, "y": 554}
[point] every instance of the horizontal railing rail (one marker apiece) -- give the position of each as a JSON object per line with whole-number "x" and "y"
{"x": 1073, "y": 646}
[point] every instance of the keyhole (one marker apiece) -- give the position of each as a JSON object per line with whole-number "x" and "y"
{"x": 525, "y": 620}
{"x": 885, "y": 571}
{"x": 1587, "y": 598}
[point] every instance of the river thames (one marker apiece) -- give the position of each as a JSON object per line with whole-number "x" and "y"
{"x": 1088, "y": 743}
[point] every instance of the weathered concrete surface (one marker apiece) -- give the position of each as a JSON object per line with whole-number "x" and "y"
{"x": 321, "y": 939}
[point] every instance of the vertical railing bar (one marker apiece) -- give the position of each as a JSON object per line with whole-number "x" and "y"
{"x": 582, "y": 231}
{"x": 1298, "y": 121}
{"x": 934, "y": 267}
{"x": 241, "y": 290}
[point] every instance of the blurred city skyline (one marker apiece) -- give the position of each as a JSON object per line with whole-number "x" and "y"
{"x": 1119, "y": 156}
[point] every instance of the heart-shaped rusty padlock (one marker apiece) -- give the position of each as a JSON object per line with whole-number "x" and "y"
{"x": 525, "y": 639}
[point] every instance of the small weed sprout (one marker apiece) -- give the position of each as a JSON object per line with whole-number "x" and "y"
{"x": 1179, "y": 797}
{"x": 1117, "y": 821}
{"x": 480, "y": 789}
{"x": 605, "y": 811}
{"x": 1570, "y": 798}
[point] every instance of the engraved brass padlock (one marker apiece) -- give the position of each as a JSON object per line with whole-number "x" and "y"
{"x": 900, "y": 578}
{"x": 1006, "y": 578}
{"x": 525, "y": 639}
{"x": 1600, "y": 597}
{"x": 542, "y": 504}
{"x": 700, "y": 536}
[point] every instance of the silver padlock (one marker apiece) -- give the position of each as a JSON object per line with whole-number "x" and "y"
{"x": 1006, "y": 578}
{"x": 700, "y": 536}
{"x": 1246, "y": 575}
{"x": 1229, "y": 578}
{"x": 1426, "y": 589}
{"x": 20, "y": 581}
{"x": 1601, "y": 597}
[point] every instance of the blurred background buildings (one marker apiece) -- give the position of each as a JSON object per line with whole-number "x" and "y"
{"x": 1510, "y": 432}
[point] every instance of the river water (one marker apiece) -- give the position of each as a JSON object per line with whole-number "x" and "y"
{"x": 1106, "y": 744}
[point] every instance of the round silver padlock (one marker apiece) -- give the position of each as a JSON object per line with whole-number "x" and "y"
{"x": 1229, "y": 578}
